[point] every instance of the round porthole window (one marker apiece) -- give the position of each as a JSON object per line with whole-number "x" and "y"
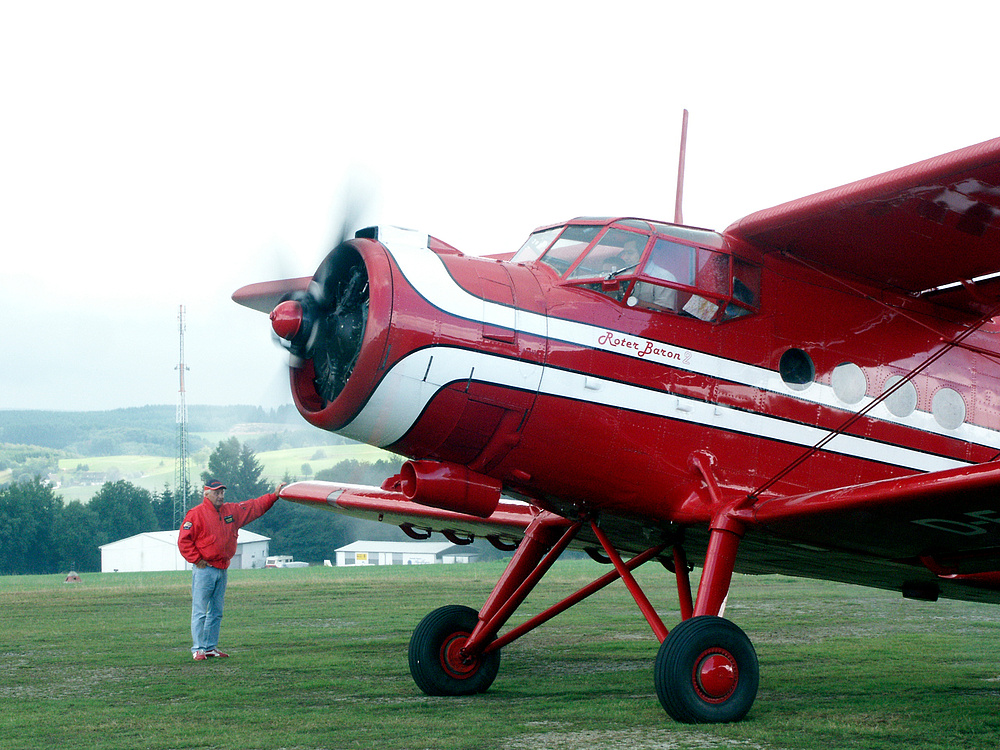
{"x": 849, "y": 382}
{"x": 948, "y": 408}
{"x": 903, "y": 401}
{"x": 797, "y": 369}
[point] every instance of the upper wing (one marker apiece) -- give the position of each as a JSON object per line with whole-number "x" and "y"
{"x": 505, "y": 525}
{"x": 932, "y": 224}
{"x": 940, "y": 528}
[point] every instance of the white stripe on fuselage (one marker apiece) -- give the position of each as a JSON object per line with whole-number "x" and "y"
{"x": 427, "y": 274}
{"x": 410, "y": 384}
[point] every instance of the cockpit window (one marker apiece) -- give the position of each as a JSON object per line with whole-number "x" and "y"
{"x": 659, "y": 267}
{"x": 571, "y": 243}
{"x": 669, "y": 263}
{"x": 746, "y": 290}
{"x": 536, "y": 244}
{"x": 616, "y": 252}
{"x": 696, "y": 282}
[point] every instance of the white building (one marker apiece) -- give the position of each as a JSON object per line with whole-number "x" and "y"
{"x": 404, "y": 553}
{"x": 157, "y": 550}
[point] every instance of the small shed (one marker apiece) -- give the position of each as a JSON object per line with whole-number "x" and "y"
{"x": 157, "y": 550}
{"x": 404, "y": 553}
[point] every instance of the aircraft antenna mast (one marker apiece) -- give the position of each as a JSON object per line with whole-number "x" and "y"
{"x": 679, "y": 195}
{"x": 182, "y": 473}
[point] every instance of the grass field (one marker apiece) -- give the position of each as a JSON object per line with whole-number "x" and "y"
{"x": 319, "y": 661}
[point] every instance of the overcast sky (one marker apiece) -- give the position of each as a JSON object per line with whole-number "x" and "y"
{"x": 160, "y": 154}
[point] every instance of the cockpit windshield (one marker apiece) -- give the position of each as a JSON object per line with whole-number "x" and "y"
{"x": 616, "y": 252}
{"x": 571, "y": 243}
{"x": 536, "y": 244}
{"x": 649, "y": 266}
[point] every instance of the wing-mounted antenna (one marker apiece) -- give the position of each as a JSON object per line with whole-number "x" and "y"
{"x": 679, "y": 197}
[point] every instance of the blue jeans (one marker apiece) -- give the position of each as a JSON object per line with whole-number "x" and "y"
{"x": 208, "y": 596}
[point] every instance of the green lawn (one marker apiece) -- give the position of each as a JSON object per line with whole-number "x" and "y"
{"x": 319, "y": 661}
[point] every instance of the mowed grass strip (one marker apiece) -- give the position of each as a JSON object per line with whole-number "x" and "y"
{"x": 319, "y": 661}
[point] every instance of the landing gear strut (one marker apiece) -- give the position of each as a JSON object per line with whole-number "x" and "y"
{"x": 705, "y": 671}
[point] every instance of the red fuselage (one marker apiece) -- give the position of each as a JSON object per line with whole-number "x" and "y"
{"x": 559, "y": 384}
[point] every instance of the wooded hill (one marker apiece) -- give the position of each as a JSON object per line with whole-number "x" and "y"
{"x": 41, "y": 532}
{"x": 33, "y": 442}
{"x": 139, "y": 430}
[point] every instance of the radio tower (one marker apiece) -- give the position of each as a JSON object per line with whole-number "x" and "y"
{"x": 182, "y": 474}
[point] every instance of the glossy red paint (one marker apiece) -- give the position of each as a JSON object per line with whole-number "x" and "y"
{"x": 286, "y": 319}
{"x": 465, "y": 416}
{"x": 645, "y": 606}
{"x": 720, "y": 561}
{"x": 454, "y": 659}
{"x": 449, "y": 487}
{"x": 684, "y": 599}
{"x": 946, "y": 206}
{"x": 544, "y": 540}
{"x": 716, "y": 675}
{"x": 591, "y": 588}
{"x": 331, "y": 415}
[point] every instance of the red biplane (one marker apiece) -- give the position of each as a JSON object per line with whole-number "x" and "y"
{"x": 814, "y": 391}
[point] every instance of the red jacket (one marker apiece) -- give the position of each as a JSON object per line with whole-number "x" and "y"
{"x": 209, "y": 533}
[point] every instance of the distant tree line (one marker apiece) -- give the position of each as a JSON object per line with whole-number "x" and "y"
{"x": 27, "y": 461}
{"x": 40, "y": 533}
{"x": 140, "y": 430}
{"x": 33, "y": 442}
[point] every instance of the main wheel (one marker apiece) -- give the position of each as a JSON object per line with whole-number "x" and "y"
{"x": 436, "y": 660}
{"x": 706, "y": 671}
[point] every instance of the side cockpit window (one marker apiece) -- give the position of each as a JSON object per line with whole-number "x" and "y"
{"x": 746, "y": 290}
{"x": 669, "y": 265}
{"x": 704, "y": 284}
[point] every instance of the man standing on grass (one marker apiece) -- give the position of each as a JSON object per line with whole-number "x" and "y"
{"x": 207, "y": 540}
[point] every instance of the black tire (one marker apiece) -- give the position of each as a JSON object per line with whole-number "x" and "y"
{"x": 706, "y": 672}
{"x": 434, "y": 648}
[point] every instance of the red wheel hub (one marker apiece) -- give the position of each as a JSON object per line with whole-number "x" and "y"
{"x": 454, "y": 661}
{"x": 715, "y": 675}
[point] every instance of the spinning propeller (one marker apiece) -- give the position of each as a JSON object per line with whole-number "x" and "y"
{"x": 326, "y": 322}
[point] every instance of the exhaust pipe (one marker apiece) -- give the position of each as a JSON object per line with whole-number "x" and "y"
{"x": 450, "y": 487}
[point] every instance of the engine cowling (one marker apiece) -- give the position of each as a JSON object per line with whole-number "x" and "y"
{"x": 340, "y": 346}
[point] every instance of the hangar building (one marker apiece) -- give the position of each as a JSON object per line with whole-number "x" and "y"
{"x": 404, "y": 553}
{"x": 157, "y": 550}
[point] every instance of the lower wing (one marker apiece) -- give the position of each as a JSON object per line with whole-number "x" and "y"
{"x": 927, "y": 535}
{"x": 504, "y": 527}
{"x": 932, "y": 534}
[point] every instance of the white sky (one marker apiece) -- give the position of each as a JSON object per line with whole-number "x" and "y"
{"x": 159, "y": 154}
